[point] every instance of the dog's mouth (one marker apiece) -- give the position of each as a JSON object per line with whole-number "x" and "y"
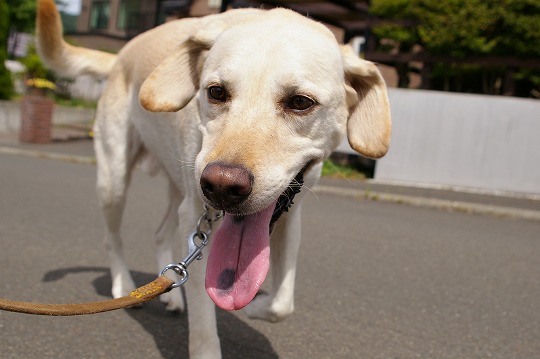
{"x": 240, "y": 252}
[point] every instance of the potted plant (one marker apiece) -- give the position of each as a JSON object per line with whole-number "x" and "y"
{"x": 36, "y": 107}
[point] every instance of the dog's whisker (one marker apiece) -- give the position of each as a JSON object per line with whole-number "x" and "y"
{"x": 310, "y": 190}
{"x": 186, "y": 164}
{"x": 180, "y": 160}
{"x": 340, "y": 173}
{"x": 294, "y": 184}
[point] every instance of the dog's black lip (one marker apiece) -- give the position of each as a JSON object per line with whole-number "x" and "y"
{"x": 285, "y": 200}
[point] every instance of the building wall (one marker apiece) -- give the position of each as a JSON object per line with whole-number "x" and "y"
{"x": 202, "y": 8}
{"x": 84, "y": 18}
{"x": 102, "y": 43}
{"x": 460, "y": 140}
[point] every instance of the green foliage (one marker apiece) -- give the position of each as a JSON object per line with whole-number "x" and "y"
{"x": 6, "y": 82}
{"x": 457, "y": 27}
{"x": 23, "y": 15}
{"x": 34, "y": 66}
{"x": 395, "y": 10}
{"x": 20, "y": 17}
{"x": 463, "y": 28}
{"x": 333, "y": 169}
{"x": 35, "y": 69}
{"x": 520, "y": 30}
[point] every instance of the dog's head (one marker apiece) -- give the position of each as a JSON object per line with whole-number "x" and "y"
{"x": 276, "y": 95}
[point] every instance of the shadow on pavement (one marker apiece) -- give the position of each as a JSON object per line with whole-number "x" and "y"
{"x": 170, "y": 330}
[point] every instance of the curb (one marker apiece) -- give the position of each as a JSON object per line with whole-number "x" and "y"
{"x": 441, "y": 204}
{"x": 48, "y": 155}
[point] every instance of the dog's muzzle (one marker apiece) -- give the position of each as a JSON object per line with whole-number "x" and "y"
{"x": 239, "y": 256}
{"x": 226, "y": 186}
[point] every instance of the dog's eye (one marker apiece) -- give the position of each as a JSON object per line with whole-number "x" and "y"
{"x": 217, "y": 93}
{"x": 299, "y": 103}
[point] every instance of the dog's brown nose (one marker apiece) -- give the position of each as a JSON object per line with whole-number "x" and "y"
{"x": 226, "y": 185}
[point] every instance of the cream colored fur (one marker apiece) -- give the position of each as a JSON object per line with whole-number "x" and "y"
{"x": 156, "y": 104}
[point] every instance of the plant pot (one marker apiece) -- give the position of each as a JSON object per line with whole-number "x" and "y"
{"x": 36, "y": 119}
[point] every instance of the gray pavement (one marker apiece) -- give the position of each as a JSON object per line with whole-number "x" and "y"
{"x": 377, "y": 278}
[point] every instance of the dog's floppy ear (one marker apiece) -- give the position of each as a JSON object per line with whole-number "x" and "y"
{"x": 369, "y": 124}
{"x": 174, "y": 82}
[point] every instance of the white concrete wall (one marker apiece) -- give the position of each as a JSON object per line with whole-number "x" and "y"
{"x": 486, "y": 142}
{"x": 87, "y": 87}
{"x": 10, "y": 116}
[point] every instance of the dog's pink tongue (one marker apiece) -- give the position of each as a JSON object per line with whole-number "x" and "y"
{"x": 239, "y": 259}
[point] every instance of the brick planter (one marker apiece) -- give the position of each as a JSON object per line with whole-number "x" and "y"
{"x": 36, "y": 119}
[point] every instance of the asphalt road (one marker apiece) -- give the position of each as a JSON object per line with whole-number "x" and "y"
{"x": 375, "y": 280}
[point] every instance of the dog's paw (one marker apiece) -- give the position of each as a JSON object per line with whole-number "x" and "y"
{"x": 264, "y": 307}
{"x": 174, "y": 301}
{"x": 206, "y": 350}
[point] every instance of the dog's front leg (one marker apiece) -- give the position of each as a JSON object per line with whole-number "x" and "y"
{"x": 165, "y": 236}
{"x": 285, "y": 242}
{"x": 203, "y": 336}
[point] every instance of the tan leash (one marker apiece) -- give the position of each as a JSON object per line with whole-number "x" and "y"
{"x": 143, "y": 294}
{"x": 140, "y": 295}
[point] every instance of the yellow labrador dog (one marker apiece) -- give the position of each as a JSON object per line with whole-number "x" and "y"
{"x": 238, "y": 110}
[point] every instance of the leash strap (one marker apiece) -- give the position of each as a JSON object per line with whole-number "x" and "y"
{"x": 140, "y": 295}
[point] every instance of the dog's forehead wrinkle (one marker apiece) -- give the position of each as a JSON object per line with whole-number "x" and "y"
{"x": 274, "y": 53}
{"x": 279, "y": 22}
{"x": 280, "y": 36}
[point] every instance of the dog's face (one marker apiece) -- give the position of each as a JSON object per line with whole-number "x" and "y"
{"x": 270, "y": 104}
{"x": 276, "y": 95}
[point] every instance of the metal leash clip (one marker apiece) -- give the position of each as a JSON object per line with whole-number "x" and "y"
{"x": 195, "y": 250}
